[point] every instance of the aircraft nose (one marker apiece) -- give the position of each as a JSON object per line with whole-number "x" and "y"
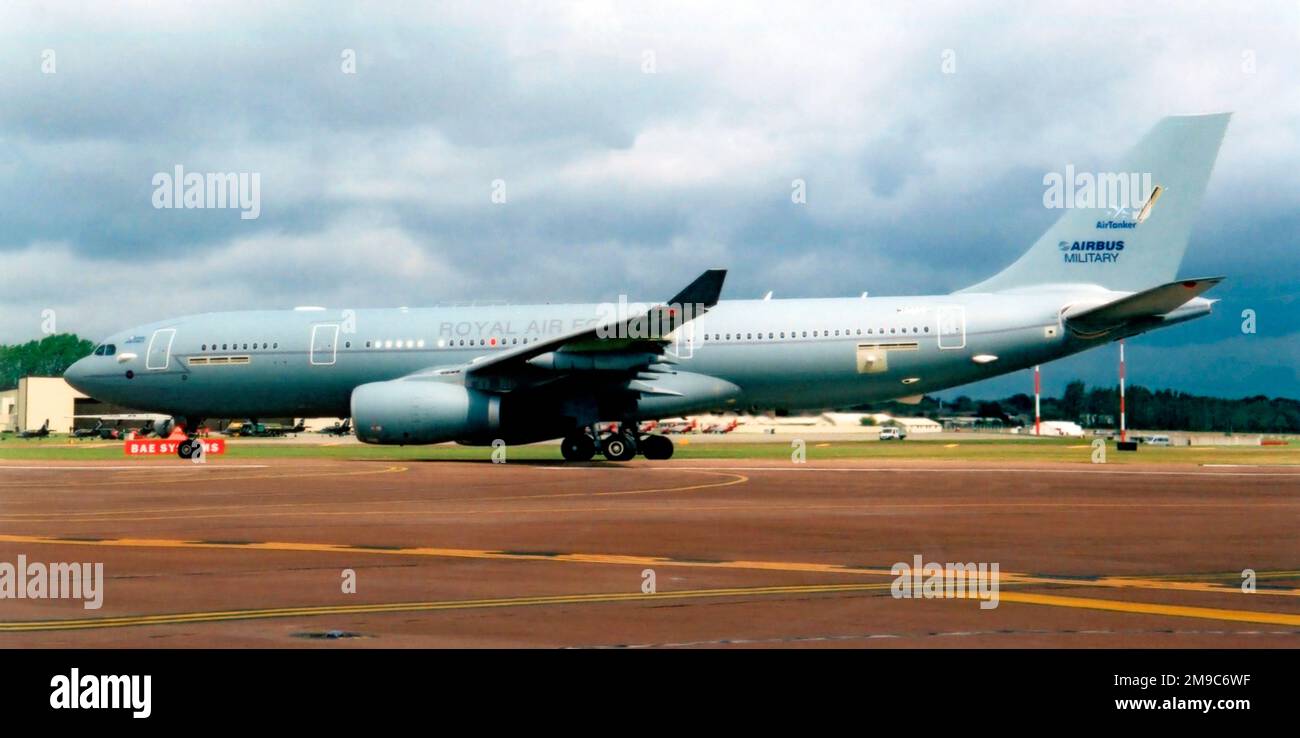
{"x": 77, "y": 374}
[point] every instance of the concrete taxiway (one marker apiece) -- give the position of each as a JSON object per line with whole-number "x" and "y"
{"x": 249, "y": 553}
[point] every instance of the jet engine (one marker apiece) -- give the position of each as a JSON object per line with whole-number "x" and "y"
{"x": 421, "y": 411}
{"x": 164, "y": 427}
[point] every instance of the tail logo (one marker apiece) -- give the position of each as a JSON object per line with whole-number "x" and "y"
{"x": 1091, "y": 252}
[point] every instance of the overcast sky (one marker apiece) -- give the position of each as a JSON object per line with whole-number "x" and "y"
{"x": 638, "y": 143}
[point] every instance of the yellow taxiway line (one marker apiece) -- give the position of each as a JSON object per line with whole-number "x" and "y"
{"x": 290, "y": 612}
{"x": 1009, "y": 578}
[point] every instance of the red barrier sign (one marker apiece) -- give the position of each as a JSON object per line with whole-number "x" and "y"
{"x": 155, "y": 447}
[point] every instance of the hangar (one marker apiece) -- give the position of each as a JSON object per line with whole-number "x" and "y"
{"x": 8, "y": 410}
{"x": 37, "y": 399}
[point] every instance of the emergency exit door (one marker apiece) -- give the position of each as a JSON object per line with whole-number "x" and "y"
{"x": 324, "y": 344}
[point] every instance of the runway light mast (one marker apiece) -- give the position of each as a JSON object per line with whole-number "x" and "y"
{"x": 1123, "y": 432}
{"x": 1038, "y": 389}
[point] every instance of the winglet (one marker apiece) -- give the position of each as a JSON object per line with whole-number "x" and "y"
{"x": 703, "y": 291}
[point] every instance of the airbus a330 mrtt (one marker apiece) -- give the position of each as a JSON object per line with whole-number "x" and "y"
{"x": 528, "y": 373}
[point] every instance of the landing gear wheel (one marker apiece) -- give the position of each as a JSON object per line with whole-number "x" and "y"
{"x": 186, "y": 449}
{"x": 657, "y": 448}
{"x": 618, "y": 447}
{"x": 578, "y": 447}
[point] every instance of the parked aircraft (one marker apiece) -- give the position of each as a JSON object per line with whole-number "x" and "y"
{"x": 99, "y": 431}
{"x": 720, "y": 428}
{"x": 339, "y": 429}
{"x": 528, "y": 373}
{"x": 41, "y": 432}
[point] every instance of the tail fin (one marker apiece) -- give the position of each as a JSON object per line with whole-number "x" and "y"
{"x": 1132, "y": 228}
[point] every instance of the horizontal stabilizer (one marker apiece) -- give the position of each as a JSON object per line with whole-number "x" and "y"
{"x": 1150, "y": 303}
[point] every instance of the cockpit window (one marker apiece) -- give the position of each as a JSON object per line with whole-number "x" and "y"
{"x": 106, "y": 349}
{"x": 99, "y": 351}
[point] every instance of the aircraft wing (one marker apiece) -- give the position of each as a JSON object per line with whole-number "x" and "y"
{"x": 126, "y": 416}
{"x": 625, "y": 345}
{"x": 1151, "y": 303}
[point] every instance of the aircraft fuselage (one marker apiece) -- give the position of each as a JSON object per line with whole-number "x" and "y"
{"x": 794, "y": 354}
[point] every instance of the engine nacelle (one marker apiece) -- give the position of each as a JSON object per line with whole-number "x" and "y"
{"x": 412, "y": 412}
{"x": 164, "y": 427}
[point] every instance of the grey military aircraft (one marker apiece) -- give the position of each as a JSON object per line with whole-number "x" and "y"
{"x": 526, "y": 373}
{"x": 42, "y": 432}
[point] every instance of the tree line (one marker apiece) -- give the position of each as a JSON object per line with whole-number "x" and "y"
{"x": 1098, "y": 407}
{"x": 48, "y": 357}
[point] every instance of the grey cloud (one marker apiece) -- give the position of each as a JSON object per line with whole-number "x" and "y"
{"x": 618, "y": 181}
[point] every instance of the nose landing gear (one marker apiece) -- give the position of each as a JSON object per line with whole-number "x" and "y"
{"x": 191, "y": 446}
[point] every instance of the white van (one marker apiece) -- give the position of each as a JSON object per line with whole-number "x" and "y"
{"x": 1157, "y": 441}
{"x": 892, "y": 433}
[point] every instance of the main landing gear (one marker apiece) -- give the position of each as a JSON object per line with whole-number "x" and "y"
{"x": 617, "y": 446}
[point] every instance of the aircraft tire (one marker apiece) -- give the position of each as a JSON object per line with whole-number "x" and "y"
{"x": 657, "y": 448}
{"x": 618, "y": 447}
{"x": 578, "y": 447}
{"x": 186, "y": 449}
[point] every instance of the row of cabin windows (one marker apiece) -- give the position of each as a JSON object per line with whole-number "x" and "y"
{"x": 108, "y": 350}
{"x": 451, "y": 343}
{"x": 772, "y": 335}
{"x": 386, "y": 344}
